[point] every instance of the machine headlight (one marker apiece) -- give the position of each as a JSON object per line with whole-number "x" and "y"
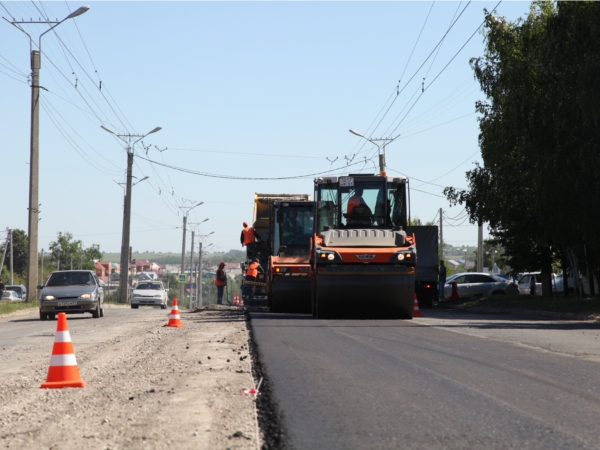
{"x": 48, "y": 297}
{"x": 400, "y": 256}
{"x": 331, "y": 257}
{"x": 85, "y": 296}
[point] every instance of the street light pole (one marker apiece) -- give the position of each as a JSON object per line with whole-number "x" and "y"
{"x": 124, "y": 275}
{"x": 34, "y": 156}
{"x": 182, "y": 271}
{"x": 381, "y": 153}
{"x": 192, "y": 271}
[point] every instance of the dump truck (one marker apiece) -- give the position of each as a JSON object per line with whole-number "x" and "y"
{"x": 363, "y": 262}
{"x": 263, "y": 205}
{"x": 288, "y": 280}
{"x": 427, "y": 271}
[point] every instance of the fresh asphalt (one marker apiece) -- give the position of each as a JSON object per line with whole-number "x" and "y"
{"x": 411, "y": 384}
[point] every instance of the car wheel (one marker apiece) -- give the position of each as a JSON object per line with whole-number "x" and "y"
{"x": 51, "y": 316}
{"x": 96, "y": 313}
{"x": 101, "y": 312}
{"x": 43, "y": 316}
{"x": 163, "y": 306}
{"x": 134, "y": 306}
{"x": 498, "y": 293}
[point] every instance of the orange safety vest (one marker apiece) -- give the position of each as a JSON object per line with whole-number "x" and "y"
{"x": 252, "y": 270}
{"x": 353, "y": 202}
{"x": 219, "y": 282}
{"x": 248, "y": 235}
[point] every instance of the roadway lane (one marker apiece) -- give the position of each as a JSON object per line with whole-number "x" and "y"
{"x": 411, "y": 384}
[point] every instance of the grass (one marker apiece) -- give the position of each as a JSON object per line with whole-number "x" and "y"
{"x": 558, "y": 303}
{"x": 8, "y": 307}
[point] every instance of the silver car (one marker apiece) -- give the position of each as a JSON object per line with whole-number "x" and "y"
{"x": 149, "y": 293}
{"x": 71, "y": 292}
{"x": 470, "y": 284}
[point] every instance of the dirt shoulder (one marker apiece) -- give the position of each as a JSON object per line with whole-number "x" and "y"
{"x": 556, "y": 307}
{"x": 147, "y": 386}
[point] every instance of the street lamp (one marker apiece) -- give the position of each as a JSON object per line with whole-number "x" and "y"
{"x": 380, "y": 148}
{"x": 34, "y": 158}
{"x": 124, "y": 276}
{"x": 199, "y": 276}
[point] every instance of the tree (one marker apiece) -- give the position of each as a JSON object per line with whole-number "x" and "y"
{"x": 65, "y": 250}
{"x": 539, "y": 136}
{"x": 19, "y": 246}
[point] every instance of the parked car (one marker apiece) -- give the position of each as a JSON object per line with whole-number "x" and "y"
{"x": 71, "y": 292}
{"x": 470, "y": 284}
{"x": 525, "y": 279}
{"x": 149, "y": 293}
{"x": 11, "y": 296}
{"x": 19, "y": 289}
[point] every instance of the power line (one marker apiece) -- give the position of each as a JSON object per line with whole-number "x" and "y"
{"x": 246, "y": 153}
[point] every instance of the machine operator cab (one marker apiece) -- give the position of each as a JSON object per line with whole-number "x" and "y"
{"x": 293, "y": 227}
{"x": 365, "y": 202}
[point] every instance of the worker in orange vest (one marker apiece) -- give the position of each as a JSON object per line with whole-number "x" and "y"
{"x": 251, "y": 275}
{"x": 355, "y": 200}
{"x": 248, "y": 239}
{"x": 220, "y": 282}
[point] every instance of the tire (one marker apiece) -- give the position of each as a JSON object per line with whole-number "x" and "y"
{"x": 96, "y": 313}
{"x": 498, "y": 293}
{"x": 163, "y": 306}
{"x": 51, "y": 316}
{"x": 43, "y": 316}
{"x": 101, "y": 312}
{"x": 135, "y": 306}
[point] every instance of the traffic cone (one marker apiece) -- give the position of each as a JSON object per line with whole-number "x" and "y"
{"x": 174, "y": 319}
{"x": 417, "y": 312}
{"x": 242, "y": 301}
{"x": 454, "y": 295}
{"x": 236, "y": 300}
{"x": 63, "y": 371}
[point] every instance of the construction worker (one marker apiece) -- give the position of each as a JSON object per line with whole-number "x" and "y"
{"x": 251, "y": 275}
{"x": 220, "y": 282}
{"x": 291, "y": 227}
{"x": 355, "y": 200}
{"x": 248, "y": 239}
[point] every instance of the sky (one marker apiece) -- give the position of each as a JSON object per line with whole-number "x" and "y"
{"x": 251, "y": 97}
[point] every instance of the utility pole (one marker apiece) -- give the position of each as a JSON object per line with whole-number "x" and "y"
{"x": 185, "y": 216}
{"x": 441, "y": 234}
{"x": 480, "y": 248}
{"x": 124, "y": 275}
{"x": 42, "y": 265}
{"x": 11, "y": 257}
{"x": 182, "y": 270}
{"x": 380, "y": 148}
{"x": 192, "y": 267}
{"x": 200, "y": 271}
{"x": 5, "y": 249}
{"x": 34, "y": 153}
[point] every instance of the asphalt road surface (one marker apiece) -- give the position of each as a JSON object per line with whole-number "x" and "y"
{"x": 449, "y": 381}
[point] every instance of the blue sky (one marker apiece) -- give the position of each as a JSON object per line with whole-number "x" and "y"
{"x": 243, "y": 90}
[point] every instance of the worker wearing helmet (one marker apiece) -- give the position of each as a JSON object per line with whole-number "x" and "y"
{"x": 291, "y": 227}
{"x": 220, "y": 282}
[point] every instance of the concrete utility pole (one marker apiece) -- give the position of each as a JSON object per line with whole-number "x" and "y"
{"x": 42, "y": 267}
{"x": 5, "y": 249}
{"x": 381, "y": 153}
{"x": 11, "y": 257}
{"x": 199, "y": 300}
{"x": 182, "y": 271}
{"x": 34, "y": 157}
{"x": 441, "y": 234}
{"x": 124, "y": 275}
{"x": 192, "y": 263}
{"x": 480, "y": 248}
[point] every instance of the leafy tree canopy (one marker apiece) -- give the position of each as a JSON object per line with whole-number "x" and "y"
{"x": 65, "y": 249}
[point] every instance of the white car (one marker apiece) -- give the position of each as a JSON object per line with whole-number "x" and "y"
{"x": 525, "y": 279}
{"x": 11, "y": 296}
{"x": 149, "y": 293}
{"x": 470, "y": 284}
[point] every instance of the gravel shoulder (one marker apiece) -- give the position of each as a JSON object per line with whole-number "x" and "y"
{"x": 147, "y": 386}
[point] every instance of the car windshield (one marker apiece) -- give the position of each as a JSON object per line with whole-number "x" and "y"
{"x": 69, "y": 279}
{"x": 499, "y": 278}
{"x": 148, "y": 286}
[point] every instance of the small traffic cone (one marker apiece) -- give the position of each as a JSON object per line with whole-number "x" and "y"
{"x": 417, "y": 312}
{"x": 242, "y": 301}
{"x": 63, "y": 371}
{"x": 236, "y": 300}
{"x": 454, "y": 295}
{"x": 174, "y": 319}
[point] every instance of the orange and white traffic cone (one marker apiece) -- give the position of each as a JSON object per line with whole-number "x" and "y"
{"x": 417, "y": 312}
{"x": 174, "y": 319}
{"x": 236, "y": 300}
{"x": 242, "y": 301}
{"x": 63, "y": 371}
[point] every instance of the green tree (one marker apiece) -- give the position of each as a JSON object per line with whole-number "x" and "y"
{"x": 66, "y": 250}
{"x": 19, "y": 246}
